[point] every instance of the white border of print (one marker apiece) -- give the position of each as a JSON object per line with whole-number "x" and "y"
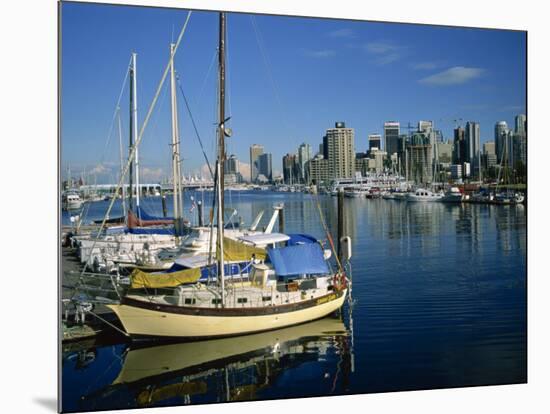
{"x": 28, "y": 85}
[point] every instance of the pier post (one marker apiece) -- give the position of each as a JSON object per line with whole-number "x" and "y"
{"x": 199, "y": 212}
{"x": 163, "y": 198}
{"x": 281, "y": 220}
{"x": 340, "y": 220}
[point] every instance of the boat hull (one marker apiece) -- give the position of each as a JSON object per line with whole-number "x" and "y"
{"x": 151, "y": 320}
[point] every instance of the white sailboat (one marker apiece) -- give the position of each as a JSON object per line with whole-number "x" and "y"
{"x": 287, "y": 285}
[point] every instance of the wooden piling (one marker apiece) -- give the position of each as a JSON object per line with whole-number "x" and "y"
{"x": 340, "y": 220}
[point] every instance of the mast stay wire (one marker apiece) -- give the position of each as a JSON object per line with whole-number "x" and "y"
{"x": 115, "y": 113}
{"x": 267, "y": 64}
{"x": 194, "y": 124}
{"x": 135, "y": 146}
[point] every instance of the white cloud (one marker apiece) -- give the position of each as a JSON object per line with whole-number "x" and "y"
{"x": 456, "y": 75}
{"x": 325, "y": 53}
{"x": 151, "y": 174}
{"x": 389, "y": 58}
{"x": 244, "y": 169}
{"x": 342, "y": 33}
{"x": 380, "y": 47}
{"x": 205, "y": 172}
{"x": 384, "y": 52}
{"x": 99, "y": 169}
{"x": 425, "y": 65}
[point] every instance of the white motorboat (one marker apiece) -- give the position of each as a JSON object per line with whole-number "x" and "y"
{"x": 71, "y": 201}
{"x": 424, "y": 195}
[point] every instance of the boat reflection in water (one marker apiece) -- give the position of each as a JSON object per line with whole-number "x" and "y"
{"x": 240, "y": 368}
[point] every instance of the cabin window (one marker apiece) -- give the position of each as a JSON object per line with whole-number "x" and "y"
{"x": 242, "y": 300}
{"x": 190, "y": 301}
{"x": 216, "y": 301}
{"x": 330, "y": 287}
{"x": 266, "y": 298}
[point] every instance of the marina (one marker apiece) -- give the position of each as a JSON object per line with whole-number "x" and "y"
{"x": 473, "y": 307}
{"x": 346, "y": 272}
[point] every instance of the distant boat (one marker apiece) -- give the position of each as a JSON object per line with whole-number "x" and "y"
{"x": 71, "y": 201}
{"x": 424, "y": 195}
{"x": 452, "y": 195}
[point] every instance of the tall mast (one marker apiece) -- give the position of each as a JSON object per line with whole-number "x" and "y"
{"x": 135, "y": 122}
{"x": 221, "y": 154}
{"x": 123, "y": 195}
{"x": 221, "y": 117}
{"x": 174, "y": 136}
{"x": 131, "y": 142}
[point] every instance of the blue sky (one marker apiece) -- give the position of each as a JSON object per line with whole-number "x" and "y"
{"x": 289, "y": 79}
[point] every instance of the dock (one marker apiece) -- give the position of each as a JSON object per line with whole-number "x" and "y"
{"x": 92, "y": 327}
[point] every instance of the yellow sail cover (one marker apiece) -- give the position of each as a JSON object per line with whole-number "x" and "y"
{"x": 235, "y": 251}
{"x": 142, "y": 279}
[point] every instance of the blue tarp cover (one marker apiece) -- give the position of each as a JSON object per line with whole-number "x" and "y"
{"x": 143, "y": 215}
{"x": 299, "y": 259}
{"x": 300, "y": 239}
{"x": 152, "y": 230}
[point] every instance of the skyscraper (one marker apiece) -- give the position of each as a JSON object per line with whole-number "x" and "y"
{"x": 291, "y": 169}
{"x": 425, "y": 126}
{"x": 265, "y": 167}
{"x": 304, "y": 155}
{"x": 521, "y": 124}
{"x": 471, "y": 137}
{"x": 459, "y": 152}
{"x": 501, "y": 134}
{"x": 391, "y": 136}
{"x": 255, "y": 151}
{"x": 375, "y": 141}
{"x": 231, "y": 165}
{"x": 341, "y": 151}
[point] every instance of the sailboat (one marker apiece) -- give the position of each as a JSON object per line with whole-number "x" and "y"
{"x": 287, "y": 285}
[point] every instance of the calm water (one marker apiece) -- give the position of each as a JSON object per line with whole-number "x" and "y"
{"x": 439, "y": 301}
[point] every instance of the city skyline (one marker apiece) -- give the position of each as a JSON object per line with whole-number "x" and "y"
{"x": 287, "y": 74}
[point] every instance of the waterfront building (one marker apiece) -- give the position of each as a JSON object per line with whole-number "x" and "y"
{"x": 425, "y": 126}
{"x": 291, "y": 169}
{"x": 519, "y": 150}
{"x": 466, "y": 170}
{"x": 419, "y": 159}
{"x": 501, "y": 135}
{"x": 231, "y": 165}
{"x": 391, "y": 136}
{"x": 375, "y": 141}
{"x": 456, "y": 171}
{"x": 304, "y": 155}
{"x": 402, "y": 141}
{"x": 340, "y": 148}
{"x": 471, "y": 136}
{"x": 521, "y": 124}
{"x": 489, "y": 147}
{"x": 255, "y": 151}
{"x": 378, "y": 165}
{"x": 445, "y": 152}
{"x": 265, "y": 166}
{"x": 318, "y": 170}
{"x": 489, "y": 157}
{"x": 459, "y": 151}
